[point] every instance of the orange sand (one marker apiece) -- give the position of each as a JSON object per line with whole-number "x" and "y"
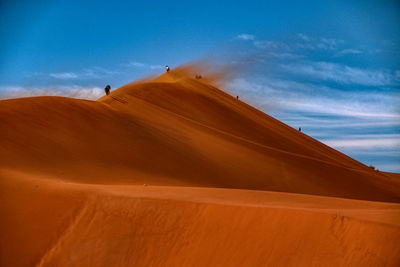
{"x": 175, "y": 172}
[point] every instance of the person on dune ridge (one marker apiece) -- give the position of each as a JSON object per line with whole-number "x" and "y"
{"x": 107, "y": 89}
{"x": 167, "y": 69}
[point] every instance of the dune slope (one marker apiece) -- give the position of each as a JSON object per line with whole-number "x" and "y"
{"x": 177, "y": 131}
{"x": 175, "y": 172}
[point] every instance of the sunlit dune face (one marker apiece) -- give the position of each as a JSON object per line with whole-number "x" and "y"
{"x": 170, "y": 171}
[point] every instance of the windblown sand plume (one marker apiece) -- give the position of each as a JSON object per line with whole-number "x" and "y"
{"x": 173, "y": 171}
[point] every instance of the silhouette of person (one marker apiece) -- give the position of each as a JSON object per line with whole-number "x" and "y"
{"x": 167, "y": 69}
{"x": 107, "y": 89}
{"x": 299, "y": 129}
{"x": 237, "y": 97}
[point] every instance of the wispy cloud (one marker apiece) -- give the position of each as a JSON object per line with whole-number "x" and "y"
{"x": 312, "y": 43}
{"x": 87, "y": 73}
{"x": 348, "y": 51}
{"x": 74, "y": 91}
{"x": 64, "y": 75}
{"x": 366, "y": 143}
{"x": 379, "y": 150}
{"x": 99, "y": 72}
{"x": 299, "y": 42}
{"x": 329, "y": 43}
{"x": 340, "y": 73}
{"x": 155, "y": 67}
{"x": 264, "y": 44}
{"x": 318, "y": 99}
{"x": 246, "y": 37}
{"x": 285, "y": 55}
{"x": 273, "y": 45}
{"x": 362, "y": 122}
{"x": 304, "y": 37}
{"x": 136, "y": 64}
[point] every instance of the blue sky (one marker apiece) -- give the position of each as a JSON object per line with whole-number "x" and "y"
{"x": 330, "y": 67}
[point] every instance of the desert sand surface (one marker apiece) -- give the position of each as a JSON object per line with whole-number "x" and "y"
{"x": 172, "y": 171}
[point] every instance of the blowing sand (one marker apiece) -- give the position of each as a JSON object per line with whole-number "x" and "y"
{"x": 175, "y": 172}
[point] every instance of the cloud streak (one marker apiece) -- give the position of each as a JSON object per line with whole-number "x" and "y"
{"x": 373, "y": 143}
{"x": 74, "y": 91}
{"x": 312, "y": 43}
{"x": 64, "y": 75}
{"x": 246, "y": 37}
{"x": 138, "y": 64}
{"x": 308, "y": 98}
{"x": 340, "y": 73}
{"x": 87, "y": 73}
{"x": 348, "y": 51}
{"x": 302, "y": 42}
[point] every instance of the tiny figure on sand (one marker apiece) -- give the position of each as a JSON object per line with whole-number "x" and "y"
{"x": 107, "y": 89}
{"x": 167, "y": 69}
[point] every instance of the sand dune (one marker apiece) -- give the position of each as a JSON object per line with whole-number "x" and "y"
{"x": 175, "y": 172}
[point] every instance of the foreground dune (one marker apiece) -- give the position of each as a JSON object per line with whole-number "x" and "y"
{"x": 66, "y": 224}
{"x": 174, "y": 172}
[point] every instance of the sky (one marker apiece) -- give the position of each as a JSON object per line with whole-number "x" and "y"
{"x": 329, "y": 67}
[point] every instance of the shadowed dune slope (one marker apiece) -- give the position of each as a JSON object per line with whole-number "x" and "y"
{"x": 176, "y": 130}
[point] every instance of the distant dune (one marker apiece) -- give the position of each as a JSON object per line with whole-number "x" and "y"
{"x": 173, "y": 171}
